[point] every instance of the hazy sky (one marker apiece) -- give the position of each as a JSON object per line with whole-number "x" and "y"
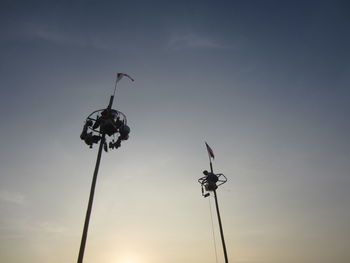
{"x": 265, "y": 83}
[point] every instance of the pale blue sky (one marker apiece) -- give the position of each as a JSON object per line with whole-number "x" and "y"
{"x": 265, "y": 83}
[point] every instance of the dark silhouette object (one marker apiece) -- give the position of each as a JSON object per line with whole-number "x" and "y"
{"x": 101, "y": 126}
{"x": 109, "y": 122}
{"x": 209, "y": 183}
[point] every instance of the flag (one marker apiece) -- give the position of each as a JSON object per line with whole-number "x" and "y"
{"x": 210, "y": 151}
{"x": 121, "y": 75}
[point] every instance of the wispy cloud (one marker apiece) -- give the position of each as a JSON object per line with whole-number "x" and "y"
{"x": 191, "y": 40}
{"x": 12, "y": 197}
{"x": 51, "y": 228}
{"x": 63, "y": 37}
{"x": 20, "y": 227}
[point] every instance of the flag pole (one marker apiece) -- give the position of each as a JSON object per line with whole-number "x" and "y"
{"x": 211, "y": 165}
{"x": 112, "y": 96}
{"x": 115, "y": 86}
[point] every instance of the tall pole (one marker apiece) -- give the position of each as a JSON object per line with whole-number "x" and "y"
{"x": 210, "y": 183}
{"x": 109, "y": 128}
{"x": 91, "y": 199}
{"x": 221, "y": 231}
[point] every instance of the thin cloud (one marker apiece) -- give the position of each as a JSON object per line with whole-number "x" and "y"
{"x": 12, "y": 197}
{"x": 193, "y": 41}
{"x": 57, "y": 36}
{"x": 20, "y": 227}
{"x": 52, "y": 228}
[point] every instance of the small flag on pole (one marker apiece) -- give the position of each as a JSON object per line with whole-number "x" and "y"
{"x": 121, "y": 75}
{"x": 210, "y": 151}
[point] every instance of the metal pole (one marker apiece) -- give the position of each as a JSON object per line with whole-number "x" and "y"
{"x": 221, "y": 231}
{"x": 91, "y": 199}
{"x": 211, "y": 166}
{"x": 110, "y": 102}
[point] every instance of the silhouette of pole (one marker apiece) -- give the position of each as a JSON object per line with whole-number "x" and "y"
{"x": 111, "y": 124}
{"x": 219, "y": 217}
{"x": 220, "y": 225}
{"x": 91, "y": 199}
{"x": 210, "y": 183}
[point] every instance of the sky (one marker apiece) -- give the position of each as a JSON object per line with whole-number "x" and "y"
{"x": 265, "y": 83}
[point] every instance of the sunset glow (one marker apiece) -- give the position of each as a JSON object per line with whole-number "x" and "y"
{"x": 264, "y": 83}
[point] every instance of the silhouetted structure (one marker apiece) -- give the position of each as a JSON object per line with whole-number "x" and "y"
{"x": 100, "y": 126}
{"x": 209, "y": 183}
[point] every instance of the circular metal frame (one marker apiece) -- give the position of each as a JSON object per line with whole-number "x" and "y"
{"x": 204, "y": 182}
{"x": 97, "y": 114}
{"x": 106, "y": 124}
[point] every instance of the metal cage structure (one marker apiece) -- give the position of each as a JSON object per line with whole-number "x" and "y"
{"x": 107, "y": 124}
{"x": 211, "y": 182}
{"x": 109, "y": 128}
